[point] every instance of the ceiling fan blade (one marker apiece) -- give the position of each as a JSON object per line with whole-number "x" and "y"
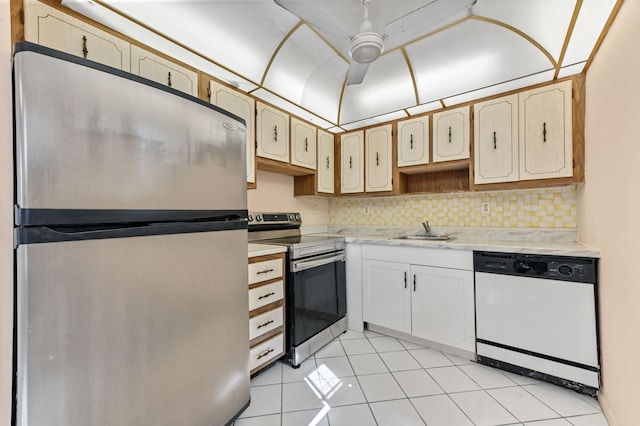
{"x": 317, "y": 16}
{"x": 434, "y": 15}
{"x": 357, "y": 72}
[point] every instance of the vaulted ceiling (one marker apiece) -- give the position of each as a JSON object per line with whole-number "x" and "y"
{"x": 265, "y": 50}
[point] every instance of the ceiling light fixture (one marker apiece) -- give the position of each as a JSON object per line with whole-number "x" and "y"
{"x": 367, "y": 45}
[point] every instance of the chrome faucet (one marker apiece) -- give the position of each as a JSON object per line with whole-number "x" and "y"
{"x": 426, "y": 226}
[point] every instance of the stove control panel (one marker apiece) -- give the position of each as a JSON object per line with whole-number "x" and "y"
{"x": 275, "y": 219}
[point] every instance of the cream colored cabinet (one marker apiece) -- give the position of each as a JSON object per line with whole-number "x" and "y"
{"x": 379, "y": 168}
{"x": 303, "y": 144}
{"x": 266, "y": 310}
{"x": 244, "y": 107}
{"x": 546, "y": 140}
{"x": 160, "y": 70}
{"x": 352, "y": 162}
{"x": 52, "y": 28}
{"x": 451, "y": 134}
{"x": 326, "y": 169}
{"x": 413, "y": 142}
{"x": 495, "y": 152}
{"x": 272, "y": 133}
{"x": 386, "y": 296}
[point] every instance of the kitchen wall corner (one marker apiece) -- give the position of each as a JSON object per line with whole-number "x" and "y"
{"x": 6, "y": 217}
{"x": 536, "y": 208}
{"x": 274, "y": 193}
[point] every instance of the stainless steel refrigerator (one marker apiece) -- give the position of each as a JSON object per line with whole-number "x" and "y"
{"x": 131, "y": 254}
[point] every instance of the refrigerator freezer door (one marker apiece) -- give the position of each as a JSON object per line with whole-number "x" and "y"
{"x": 149, "y": 330}
{"x": 92, "y": 137}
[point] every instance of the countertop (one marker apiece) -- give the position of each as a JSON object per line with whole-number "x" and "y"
{"x": 264, "y": 249}
{"x": 549, "y": 242}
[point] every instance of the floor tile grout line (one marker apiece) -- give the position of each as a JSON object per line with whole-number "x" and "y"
{"x": 541, "y": 401}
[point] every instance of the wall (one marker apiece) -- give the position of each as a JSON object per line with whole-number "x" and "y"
{"x": 6, "y": 217}
{"x": 275, "y": 194}
{"x": 540, "y": 208}
{"x": 609, "y": 204}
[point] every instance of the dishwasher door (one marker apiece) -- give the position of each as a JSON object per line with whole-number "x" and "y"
{"x": 542, "y": 325}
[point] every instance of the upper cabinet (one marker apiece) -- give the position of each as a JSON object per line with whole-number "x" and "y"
{"x": 160, "y": 70}
{"x": 413, "y": 142}
{"x": 244, "y": 107}
{"x": 325, "y": 175}
{"x": 52, "y": 28}
{"x": 379, "y": 167}
{"x": 524, "y": 136}
{"x": 451, "y": 134}
{"x": 546, "y": 149}
{"x": 352, "y": 162}
{"x": 272, "y": 133}
{"x": 303, "y": 144}
{"x": 496, "y": 140}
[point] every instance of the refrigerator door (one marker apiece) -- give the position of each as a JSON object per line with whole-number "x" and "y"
{"x": 145, "y": 330}
{"x": 92, "y": 137}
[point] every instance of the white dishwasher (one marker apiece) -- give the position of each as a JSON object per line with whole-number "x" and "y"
{"x": 536, "y": 316}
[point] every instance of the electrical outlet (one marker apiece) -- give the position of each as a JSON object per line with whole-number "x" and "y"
{"x": 486, "y": 208}
{"x": 366, "y": 209}
{"x": 316, "y": 210}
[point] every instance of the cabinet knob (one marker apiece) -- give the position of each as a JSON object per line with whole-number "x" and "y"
{"x": 544, "y": 132}
{"x": 169, "y": 79}
{"x": 85, "y": 51}
{"x": 275, "y": 133}
{"x": 494, "y": 141}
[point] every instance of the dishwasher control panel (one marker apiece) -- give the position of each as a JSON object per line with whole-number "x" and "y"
{"x": 564, "y": 268}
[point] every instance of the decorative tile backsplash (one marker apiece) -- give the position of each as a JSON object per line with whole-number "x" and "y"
{"x": 536, "y": 208}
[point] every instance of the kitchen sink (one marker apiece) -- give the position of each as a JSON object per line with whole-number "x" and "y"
{"x": 426, "y": 237}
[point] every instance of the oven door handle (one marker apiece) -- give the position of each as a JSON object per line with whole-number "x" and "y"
{"x": 301, "y": 265}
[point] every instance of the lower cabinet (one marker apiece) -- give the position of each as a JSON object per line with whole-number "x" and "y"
{"x": 266, "y": 310}
{"x": 421, "y": 292}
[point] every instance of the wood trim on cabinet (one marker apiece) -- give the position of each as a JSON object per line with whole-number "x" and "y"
{"x": 258, "y": 259}
{"x": 264, "y": 338}
{"x": 267, "y": 308}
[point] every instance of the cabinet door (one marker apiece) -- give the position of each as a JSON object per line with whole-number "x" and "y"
{"x": 495, "y": 149}
{"x": 160, "y": 70}
{"x": 325, "y": 162}
{"x": 546, "y": 146}
{"x": 386, "y": 295}
{"x": 451, "y": 135}
{"x": 244, "y": 107}
{"x": 303, "y": 144}
{"x": 379, "y": 168}
{"x": 442, "y": 306}
{"x": 413, "y": 142}
{"x": 51, "y": 28}
{"x": 351, "y": 157}
{"x": 272, "y": 133}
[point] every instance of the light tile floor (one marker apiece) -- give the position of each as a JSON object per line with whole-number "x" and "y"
{"x": 366, "y": 379}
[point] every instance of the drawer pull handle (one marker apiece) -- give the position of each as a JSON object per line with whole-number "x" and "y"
{"x": 306, "y": 144}
{"x": 411, "y": 141}
{"x": 265, "y": 324}
{"x": 544, "y": 132}
{"x": 85, "y": 51}
{"x": 169, "y": 78}
{"x": 414, "y": 282}
{"x": 275, "y": 133}
{"x": 449, "y": 134}
{"x": 350, "y": 162}
{"x": 265, "y": 353}
{"x": 377, "y": 159}
{"x": 405, "y": 280}
{"x": 266, "y": 271}
{"x": 494, "y": 141}
{"x": 327, "y": 161}
{"x": 266, "y": 295}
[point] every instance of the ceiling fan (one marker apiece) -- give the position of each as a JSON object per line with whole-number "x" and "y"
{"x": 402, "y": 22}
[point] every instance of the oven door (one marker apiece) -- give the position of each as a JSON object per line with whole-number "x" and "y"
{"x": 317, "y": 295}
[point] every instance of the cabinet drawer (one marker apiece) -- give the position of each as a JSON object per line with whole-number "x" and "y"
{"x": 263, "y": 295}
{"x": 264, "y": 271}
{"x": 266, "y": 322}
{"x": 266, "y": 351}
